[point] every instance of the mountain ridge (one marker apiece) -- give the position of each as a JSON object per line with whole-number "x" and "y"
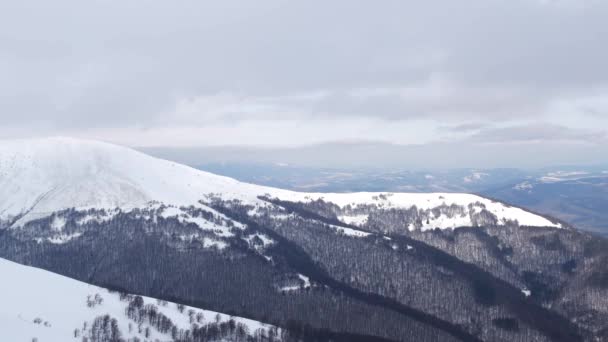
{"x": 48, "y": 175}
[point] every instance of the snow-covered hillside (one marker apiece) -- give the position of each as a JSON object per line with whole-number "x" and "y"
{"x": 46, "y": 307}
{"x": 39, "y": 177}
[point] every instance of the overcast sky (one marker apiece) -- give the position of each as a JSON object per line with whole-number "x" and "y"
{"x": 521, "y": 76}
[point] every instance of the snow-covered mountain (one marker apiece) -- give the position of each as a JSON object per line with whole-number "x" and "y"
{"x": 43, "y": 176}
{"x": 41, "y": 306}
{"x": 322, "y": 266}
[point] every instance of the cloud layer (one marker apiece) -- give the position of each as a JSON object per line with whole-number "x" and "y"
{"x": 277, "y": 73}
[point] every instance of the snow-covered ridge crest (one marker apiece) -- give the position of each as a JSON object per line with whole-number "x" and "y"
{"x": 41, "y": 176}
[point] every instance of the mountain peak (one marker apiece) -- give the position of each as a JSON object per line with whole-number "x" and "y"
{"x": 41, "y": 176}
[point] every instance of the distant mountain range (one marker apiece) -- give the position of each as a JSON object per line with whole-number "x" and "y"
{"x": 313, "y": 266}
{"x": 575, "y": 194}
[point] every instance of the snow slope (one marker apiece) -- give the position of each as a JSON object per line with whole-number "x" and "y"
{"x": 39, "y": 177}
{"x": 42, "y": 176}
{"x": 43, "y": 305}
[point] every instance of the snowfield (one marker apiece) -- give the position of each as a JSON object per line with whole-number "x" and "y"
{"x": 43, "y": 176}
{"x": 49, "y": 307}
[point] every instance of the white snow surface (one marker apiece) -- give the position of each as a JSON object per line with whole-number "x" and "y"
{"x": 357, "y": 220}
{"x": 304, "y": 284}
{"x": 42, "y": 176}
{"x": 28, "y": 293}
{"x": 523, "y": 186}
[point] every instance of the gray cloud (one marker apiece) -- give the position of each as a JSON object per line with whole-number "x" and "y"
{"x": 466, "y": 127}
{"x": 540, "y": 133}
{"x": 258, "y": 73}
